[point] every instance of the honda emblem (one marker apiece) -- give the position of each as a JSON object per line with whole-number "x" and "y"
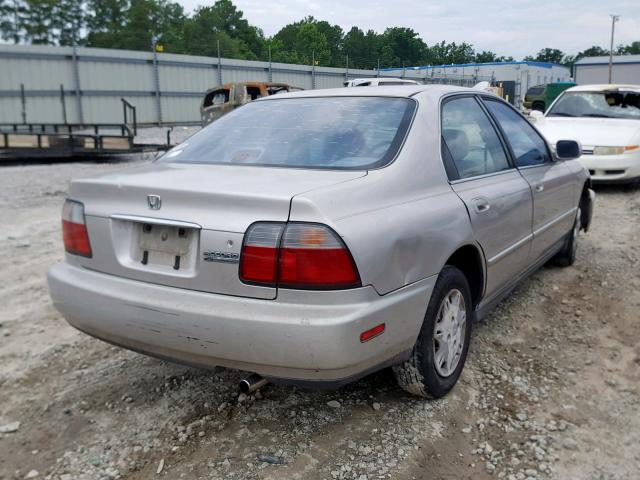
{"x": 154, "y": 202}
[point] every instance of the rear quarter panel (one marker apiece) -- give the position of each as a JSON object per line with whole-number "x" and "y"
{"x": 401, "y": 222}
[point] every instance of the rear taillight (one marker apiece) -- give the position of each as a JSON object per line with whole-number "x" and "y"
{"x": 296, "y": 255}
{"x": 259, "y": 258}
{"x": 74, "y": 229}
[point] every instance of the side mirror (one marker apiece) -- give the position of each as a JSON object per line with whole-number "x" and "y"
{"x": 535, "y": 115}
{"x": 568, "y": 149}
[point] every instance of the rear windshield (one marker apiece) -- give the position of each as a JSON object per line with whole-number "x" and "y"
{"x": 323, "y": 132}
{"x": 611, "y": 104}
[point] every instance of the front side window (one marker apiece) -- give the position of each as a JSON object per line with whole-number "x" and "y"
{"x": 612, "y": 104}
{"x": 528, "y": 147}
{"x": 469, "y": 140}
{"x": 322, "y": 132}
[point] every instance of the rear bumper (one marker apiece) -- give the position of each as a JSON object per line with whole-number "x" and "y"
{"x": 301, "y": 336}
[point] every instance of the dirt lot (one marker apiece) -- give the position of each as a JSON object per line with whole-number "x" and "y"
{"x": 550, "y": 390}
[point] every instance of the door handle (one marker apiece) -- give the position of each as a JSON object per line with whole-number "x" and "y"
{"x": 539, "y": 187}
{"x": 481, "y": 204}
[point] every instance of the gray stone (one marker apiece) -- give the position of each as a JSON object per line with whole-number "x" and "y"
{"x": 10, "y": 427}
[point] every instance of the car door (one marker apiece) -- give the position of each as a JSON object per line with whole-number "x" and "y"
{"x": 497, "y": 198}
{"x": 551, "y": 182}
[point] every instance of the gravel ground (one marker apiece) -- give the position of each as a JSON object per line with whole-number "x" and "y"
{"x": 550, "y": 389}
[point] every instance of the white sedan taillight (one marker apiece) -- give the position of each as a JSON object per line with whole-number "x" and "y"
{"x": 74, "y": 229}
{"x": 296, "y": 255}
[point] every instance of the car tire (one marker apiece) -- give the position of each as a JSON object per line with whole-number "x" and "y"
{"x": 567, "y": 256}
{"x": 426, "y": 373}
{"x": 539, "y": 106}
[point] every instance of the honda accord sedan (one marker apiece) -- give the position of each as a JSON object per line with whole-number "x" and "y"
{"x": 605, "y": 119}
{"x": 315, "y": 237}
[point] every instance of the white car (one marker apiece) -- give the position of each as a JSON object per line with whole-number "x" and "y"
{"x": 375, "y": 82}
{"x": 605, "y": 119}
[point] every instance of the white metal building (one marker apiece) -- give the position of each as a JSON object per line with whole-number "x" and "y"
{"x": 524, "y": 74}
{"x": 626, "y": 69}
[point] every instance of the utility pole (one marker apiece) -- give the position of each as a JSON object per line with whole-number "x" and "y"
{"x": 219, "y": 64}
{"x": 614, "y": 19}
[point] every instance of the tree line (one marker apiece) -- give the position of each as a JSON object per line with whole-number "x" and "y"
{"x": 554, "y": 55}
{"x": 222, "y": 29}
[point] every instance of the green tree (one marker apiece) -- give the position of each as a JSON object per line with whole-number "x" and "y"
{"x": 38, "y": 21}
{"x": 312, "y": 45}
{"x": 489, "y": 56}
{"x": 631, "y": 49}
{"x": 363, "y": 48}
{"x": 69, "y": 21}
{"x": 462, "y": 53}
{"x": 334, "y": 37}
{"x": 552, "y": 55}
{"x": 11, "y": 12}
{"x": 485, "y": 57}
{"x": 299, "y": 41}
{"x": 447, "y": 53}
{"x": 225, "y": 17}
{"x": 405, "y": 45}
{"x": 594, "y": 51}
{"x": 105, "y": 20}
{"x": 205, "y": 29}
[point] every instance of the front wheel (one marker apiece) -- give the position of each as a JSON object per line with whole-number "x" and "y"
{"x": 441, "y": 350}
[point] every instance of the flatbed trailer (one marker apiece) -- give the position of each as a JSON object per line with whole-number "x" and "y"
{"x": 65, "y": 140}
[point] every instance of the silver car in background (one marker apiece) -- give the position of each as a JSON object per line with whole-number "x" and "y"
{"x": 319, "y": 236}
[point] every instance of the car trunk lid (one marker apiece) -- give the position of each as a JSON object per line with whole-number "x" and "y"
{"x": 182, "y": 225}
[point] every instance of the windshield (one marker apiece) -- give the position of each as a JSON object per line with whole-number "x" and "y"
{"x": 611, "y": 104}
{"x": 324, "y": 132}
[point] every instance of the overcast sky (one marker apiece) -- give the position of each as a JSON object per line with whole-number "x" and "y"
{"x": 516, "y": 27}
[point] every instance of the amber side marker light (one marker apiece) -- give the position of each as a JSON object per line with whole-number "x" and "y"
{"x": 372, "y": 333}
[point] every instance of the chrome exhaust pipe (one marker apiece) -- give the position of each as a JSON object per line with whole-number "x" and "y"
{"x": 252, "y": 383}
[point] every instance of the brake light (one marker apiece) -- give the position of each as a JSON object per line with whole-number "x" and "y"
{"x": 313, "y": 256}
{"x": 297, "y": 255}
{"x": 74, "y": 229}
{"x": 258, "y": 261}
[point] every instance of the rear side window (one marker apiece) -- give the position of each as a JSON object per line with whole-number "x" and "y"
{"x": 469, "y": 140}
{"x": 535, "y": 91}
{"x": 527, "y": 145}
{"x": 321, "y": 132}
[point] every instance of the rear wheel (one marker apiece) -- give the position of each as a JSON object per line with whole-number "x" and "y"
{"x": 440, "y": 352}
{"x": 567, "y": 256}
{"x": 538, "y": 106}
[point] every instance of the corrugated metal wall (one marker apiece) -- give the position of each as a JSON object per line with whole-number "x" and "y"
{"x": 165, "y": 88}
{"x": 621, "y": 73}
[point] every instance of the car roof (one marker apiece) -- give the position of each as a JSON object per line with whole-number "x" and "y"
{"x": 603, "y": 87}
{"x": 369, "y": 79}
{"x": 405, "y": 91}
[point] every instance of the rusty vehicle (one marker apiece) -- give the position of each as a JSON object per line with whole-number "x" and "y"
{"x": 220, "y": 100}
